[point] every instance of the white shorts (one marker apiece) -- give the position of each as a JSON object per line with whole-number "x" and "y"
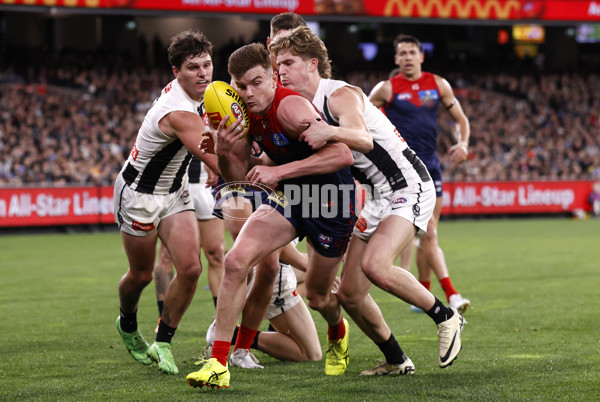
{"x": 284, "y": 295}
{"x": 415, "y": 204}
{"x": 139, "y": 214}
{"x": 204, "y": 201}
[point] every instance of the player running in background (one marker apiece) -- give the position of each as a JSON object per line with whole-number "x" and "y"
{"x": 152, "y": 199}
{"x": 399, "y": 203}
{"x": 410, "y": 100}
{"x": 275, "y": 124}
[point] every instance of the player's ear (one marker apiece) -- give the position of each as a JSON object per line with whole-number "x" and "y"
{"x": 268, "y": 41}
{"x": 175, "y": 71}
{"x": 314, "y": 64}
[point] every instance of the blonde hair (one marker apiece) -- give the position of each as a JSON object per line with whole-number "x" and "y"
{"x": 302, "y": 42}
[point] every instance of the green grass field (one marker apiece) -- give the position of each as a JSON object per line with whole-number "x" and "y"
{"x": 533, "y": 332}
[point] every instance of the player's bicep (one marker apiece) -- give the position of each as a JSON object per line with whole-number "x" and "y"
{"x": 347, "y": 105}
{"x": 292, "y": 110}
{"x": 187, "y": 126}
{"x": 381, "y": 94}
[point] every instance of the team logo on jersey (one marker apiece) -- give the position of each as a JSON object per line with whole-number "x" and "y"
{"x": 279, "y": 139}
{"x": 416, "y": 210}
{"x": 415, "y": 87}
{"x": 428, "y": 97}
{"x": 404, "y": 96}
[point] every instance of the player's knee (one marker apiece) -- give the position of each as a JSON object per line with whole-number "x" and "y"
{"x": 235, "y": 266}
{"x": 313, "y": 355}
{"x": 215, "y": 255}
{"x": 349, "y": 300}
{"x": 191, "y": 272}
{"x": 141, "y": 277}
{"x": 376, "y": 273}
{"x": 315, "y": 301}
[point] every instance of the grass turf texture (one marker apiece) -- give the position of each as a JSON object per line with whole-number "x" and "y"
{"x": 532, "y": 333}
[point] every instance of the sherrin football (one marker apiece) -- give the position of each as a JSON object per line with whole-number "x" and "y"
{"x": 220, "y": 99}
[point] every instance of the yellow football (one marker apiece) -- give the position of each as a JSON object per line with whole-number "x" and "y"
{"x": 220, "y": 99}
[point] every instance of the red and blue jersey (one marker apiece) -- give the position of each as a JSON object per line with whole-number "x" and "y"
{"x": 267, "y": 132}
{"x": 413, "y": 109}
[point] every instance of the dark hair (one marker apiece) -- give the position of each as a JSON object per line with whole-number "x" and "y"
{"x": 287, "y": 21}
{"x": 304, "y": 43}
{"x": 247, "y": 57}
{"x": 407, "y": 39}
{"x": 186, "y": 45}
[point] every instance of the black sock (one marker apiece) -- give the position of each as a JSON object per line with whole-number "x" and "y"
{"x": 128, "y": 321}
{"x": 234, "y": 337}
{"x": 270, "y": 328}
{"x": 215, "y": 301}
{"x": 165, "y": 333}
{"x": 255, "y": 341}
{"x": 160, "y": 305}
{"x": 392, "y": 351}
{"x": 440, "y": 313}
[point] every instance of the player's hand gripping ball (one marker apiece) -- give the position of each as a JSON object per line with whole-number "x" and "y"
{"x": 220, "y": 99}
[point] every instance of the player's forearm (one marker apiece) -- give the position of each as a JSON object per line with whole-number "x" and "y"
{"x": 357, "y": 140}
{"x": 231, "y": 168}
{"x": 211, "y": 161}
{"x": 329, "y": 159}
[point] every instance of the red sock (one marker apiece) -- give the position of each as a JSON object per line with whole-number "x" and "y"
{"x": 220, "y": 351}
{"x": 336, "y": 332}
{"x": 245, "y": 337}
{"x": 427, "y": 284}
{"x": 447, "y": 287}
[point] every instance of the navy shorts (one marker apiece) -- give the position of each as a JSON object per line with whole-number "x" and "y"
{"x": 432, "y": 162}
{"x": 323, "y": 213}
{"x": 223, "y": 191}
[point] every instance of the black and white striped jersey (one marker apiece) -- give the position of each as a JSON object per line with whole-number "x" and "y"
{"x": 391, "y": 165}
{"x": 158, "y": 163}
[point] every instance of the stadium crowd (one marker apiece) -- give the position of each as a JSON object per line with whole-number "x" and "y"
{"x": 72, "y": 123}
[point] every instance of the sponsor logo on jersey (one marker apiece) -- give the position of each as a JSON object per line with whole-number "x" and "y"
{"x": 404, "y": 96}
{"x": 428, "y": 96}
{"x": 134, "y": 152}
{"x": 168, "y": 87}
{"x": 361, "y": 224}
{"x": 144, "y": 227}
{"x": 279, "y": 139}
